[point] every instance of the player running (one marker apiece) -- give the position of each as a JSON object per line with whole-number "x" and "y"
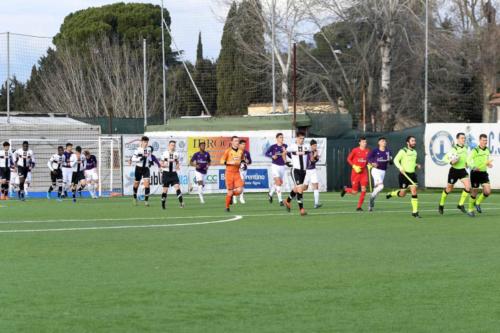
{"x": 311, "y": 172}
{"x": 457, "y": 157}
{"x": 78, "y": 164}
{"x": 170, "y": 165}
{"x": 232, "y": 160}
{"x": 479, "y": 161}
{"x": 201, "y": 161}
{"x": 247, "y": 160}
{"x": 67, "y": 170}
{"x": 277, "y": 153}
{"x": 406, "y": 162}
{"x": 298, "y": 152}
{"x": 91, "y": 176}
{"x": 55, "y": 164}
{"x": 358, "y": 159}
{"x": 142, "y": 159}
{"x": 6, "y": 164}
{"x": 25, "y": 160}
{"x": 378, "y": 158}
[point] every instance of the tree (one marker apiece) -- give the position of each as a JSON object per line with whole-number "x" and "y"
{"x": 199, "y": 48}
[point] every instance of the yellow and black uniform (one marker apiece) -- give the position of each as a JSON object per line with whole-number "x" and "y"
{"x": 458, "y": 170}
{"x": 478, "y": 162}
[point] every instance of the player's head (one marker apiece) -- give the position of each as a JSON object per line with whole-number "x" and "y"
{"x": 242, "y": 144}
{"x": 69, "y": 147}
{"x": 300, "y": 138}
{"x": 86, "y": 153}
{"x": 203, "y": 145}
{"x": 411, "y": 141}
{"x": 362, "y": 142}
{"x": 60, "y": 150}
{"x": 460, "y": 138}
{"x": 171, "y": 145}
{"x": 235, "y": 141}
{"x": 382, "y": 142}
{"x": 6, "y": 146}
{"x": 279, "y": 138}
{"x": 314, "y": 145}
{"x": 78, "y": 150}
{"x": 483, "y": 140}
{"x": 26, "y": 145}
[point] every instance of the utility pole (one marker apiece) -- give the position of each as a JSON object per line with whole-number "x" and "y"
{"x": 8, "y": 77}
{"x": 163, "y": 68}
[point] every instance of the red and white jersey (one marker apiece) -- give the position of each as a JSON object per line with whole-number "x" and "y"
{"x": 358, "y": 157}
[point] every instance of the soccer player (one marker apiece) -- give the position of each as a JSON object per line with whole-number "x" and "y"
{"x": 170, "y": 166}
{"x": 78, "y": 163}
{"x": 457, "y": 157}
{"x": 277, "y": 153}
{"x": 55, "y": 164}
{"x": 358, "y": 159}
{"x": 311, "y": 173}
{"x": 67, "y": 170}
{"x": 406, "y": 162}
{"x": 298, "y": 152}
{"x": 378, "y": 158}
{"x": 25, "y": 160}
{"x": 201, "y": 161}
{"x": 91, "y": 176}
{"x": 478, "y": 161}
{"x": 6, "y": 164}
{"x": 232, "y": 160}
{"x": 142, "y": 160}
{"x": 247, "y": 160}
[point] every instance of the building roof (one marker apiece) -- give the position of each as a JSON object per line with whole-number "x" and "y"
{"x": 42, "y": 120}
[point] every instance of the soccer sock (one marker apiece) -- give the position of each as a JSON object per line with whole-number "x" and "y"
{"x": 163, "y": 199}
{"x": 348, "y": 190}
{"x": 464, "y": 196}
{"x": 377, "y": 190}
{"x": 73, "y": 191}
{"x": 59, "y": 191}
{"x": 291, "y": 196}
{"x": 316, "y": 197}
{"x": 361, "y": 199}
{"x": 200, "y": 191}
{"x": 278, "y": 193}
{"x": 299, "y": 200}
{"x": 482, "y": 196}
{"x": 414, "y": 203}
{"x": 472, "y": 201}
{"x": 229, "y": 198}
{"x": 272, "y": 190}
{"x": 146, "y": 193}
{"x": 135, "y": 192}
{"x": 395, "y": 193}
{"x": 51, "y": 187}
{"x": 179, "y": 195}
{"x": 444, "y": 195}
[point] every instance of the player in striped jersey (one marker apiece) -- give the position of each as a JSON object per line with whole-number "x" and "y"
{"x": 25, "y": 160}
{"x": 6, "y": 164}
{"x": 312, "y": 173}
{"x": 91, "y": 175}
{"x": 78, "y": 163}
{"x": 142, "y": 159}
{"x": 298, "y": 152}
{"x": 55, "y": 166}
{"x": 67, "y": 170}
{"x": 170, "y": 165}
{"x": 479, "y": 162}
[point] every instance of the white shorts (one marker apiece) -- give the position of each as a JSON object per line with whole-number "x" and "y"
{"x": 378, "y": 176}
{"x": 91, "y": 175}
{"x": 67, "y": 175}
{"x": 278, "y": 171}
{"x": 200, "y": 177}
{"x": 311, "y": 177}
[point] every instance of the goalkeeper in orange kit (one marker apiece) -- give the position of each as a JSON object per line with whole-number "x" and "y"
{"x": 232, "y": 158}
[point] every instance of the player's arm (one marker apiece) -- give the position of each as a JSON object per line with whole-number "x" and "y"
{"x": 398, "y": 159}
{"x": 177, "y": 163}
{"x": 225, "y": 157}
{"x": 249, "y": 159}
{"x": 49, "y": 164}
{"x": 350, "y": 158}
{"x": 33, "y": 161}
{"x": 372, "y": 158}
{"x": 447, "y": 158}
{"x": 209, "y": 160}
{"x": 192, "y": 161}
{"x": 270, "y": 154}
{"x": 137, "y": 157}
{"x": 471, "y": 159}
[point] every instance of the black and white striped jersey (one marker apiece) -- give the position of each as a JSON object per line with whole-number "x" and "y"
{"x": 78, "y": 163}
{"x": 24, "y": 158}
{"x": 169, "y": 161}
{"x": 298, "y": 154}
{"x": 142, "y": 157}
{"x": 6, "y": 159}
{"x": 56, "y": 162}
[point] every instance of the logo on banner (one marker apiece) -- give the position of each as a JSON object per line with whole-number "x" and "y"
{"x": 440, "y": 143}
{"x": 255, "y": 179}
{"x": 215, "y": 146}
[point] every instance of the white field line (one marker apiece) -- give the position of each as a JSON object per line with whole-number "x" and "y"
{"x": 235, "y": 218}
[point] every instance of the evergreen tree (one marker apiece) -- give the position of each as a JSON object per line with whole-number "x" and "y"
{"x": 199, "y": 49}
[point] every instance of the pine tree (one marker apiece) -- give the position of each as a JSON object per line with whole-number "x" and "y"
{"x": 199, "y": 49}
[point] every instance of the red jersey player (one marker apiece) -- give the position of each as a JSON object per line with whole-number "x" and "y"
{"x": 358, "y": 159}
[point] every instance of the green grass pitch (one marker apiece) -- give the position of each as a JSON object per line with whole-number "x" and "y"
{"x": 112, "y": 267}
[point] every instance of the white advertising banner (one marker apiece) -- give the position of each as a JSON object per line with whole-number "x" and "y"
{"x": 440, "y": 137}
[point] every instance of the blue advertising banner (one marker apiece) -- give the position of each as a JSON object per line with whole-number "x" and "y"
{"x": 255, "y": 179}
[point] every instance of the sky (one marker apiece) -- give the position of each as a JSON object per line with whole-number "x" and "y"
{"x": 44, "y": 18}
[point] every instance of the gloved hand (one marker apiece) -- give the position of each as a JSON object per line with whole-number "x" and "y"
{"x": 357, "y": 168}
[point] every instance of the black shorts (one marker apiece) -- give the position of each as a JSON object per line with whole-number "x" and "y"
{"x": 454, "y": 175}
{"x": 479, "y": 178}
{"x": 298, "y": 176}
{"x": 5, "y": 174}
{"x": 77, "y": 177}
{"x": 169, "y": 178}
{"x": 56, "y": 175}
{"x": 22, "y": 172}
{"x": 141, "y": 173}
{"x": 404, "y": 182}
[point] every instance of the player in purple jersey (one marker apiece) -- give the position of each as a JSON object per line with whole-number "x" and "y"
{"x": 311, "y": 172}
{"x": 245, "y": 162}
{"x": 67, "y": 170}
{"x": 91, "y": 174}
{"x": 379, "y": 158}
{"x": 277, "y": 153}
{"x": 201, "y": 161}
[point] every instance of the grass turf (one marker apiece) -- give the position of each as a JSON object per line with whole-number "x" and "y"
{"x": 333, "y": 271}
